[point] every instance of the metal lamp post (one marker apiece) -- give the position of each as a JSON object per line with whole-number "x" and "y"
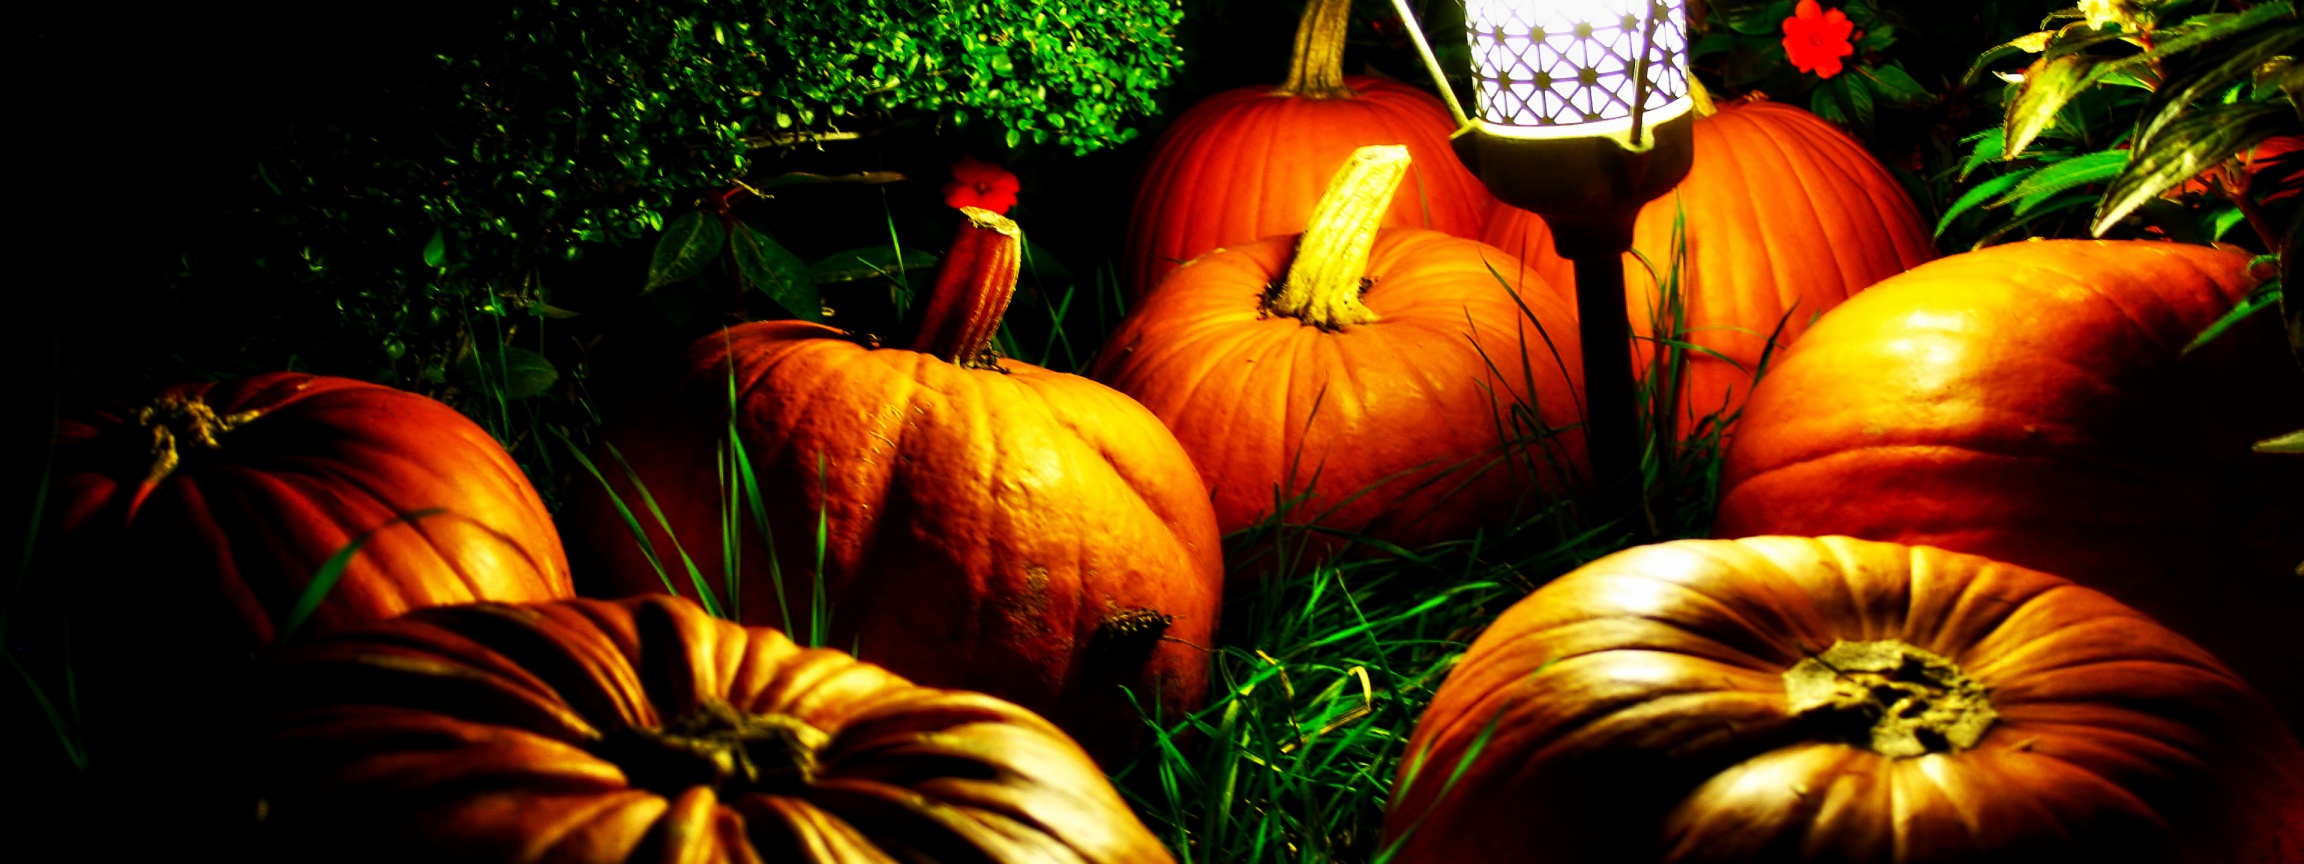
{"x": 1584, "y": 115}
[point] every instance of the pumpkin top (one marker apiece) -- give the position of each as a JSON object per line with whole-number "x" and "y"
{"x": 1826, "y": 699}
{"x": 596, "y": 731}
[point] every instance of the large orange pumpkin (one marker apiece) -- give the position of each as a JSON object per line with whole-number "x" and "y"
{"x": 1785, "y": 217}
{"x": 192, "y": 527}
{"x": 1837, "y": 700}
{"x": 2032, "y": 403}
{"x": 1371, "y": 373}
{"x": 986, "y": 524}
{"x": 1249, "y": 163}
{"x": 585, "y": 731}
{"x": 214, "y": 505}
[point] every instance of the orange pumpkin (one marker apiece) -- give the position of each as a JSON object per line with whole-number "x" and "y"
{"x": 591, "y": 732}
{"x": 1375, "y": 379}
{"x": 1249, "y": 163}
{"x": 214, "y": 505}
{"x": 1794, "y": 699}
{"x": 193, "y": 526}
{"x": 1785, "y": 217}
{"x": 986, "y": 524}
{"x": 2032, "y": 403}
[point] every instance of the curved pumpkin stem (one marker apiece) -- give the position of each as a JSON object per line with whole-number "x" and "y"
{"x": 972, "y": 290}
{"x": 1316, "y": 71}
{"x": 1702, "y": 98}
{"x": 1330, "y": 271}
{"x": 174, "y": 421}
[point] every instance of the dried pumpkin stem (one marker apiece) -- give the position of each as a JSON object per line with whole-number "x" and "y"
{"x": 1895, "y": 699}
{"x": 1316, "y": 71}
{"x": 972, "y": 291}
{"x": 1330, "y": 270}
{"x": 176, "y": 422}
{"x": 721, "y": 747}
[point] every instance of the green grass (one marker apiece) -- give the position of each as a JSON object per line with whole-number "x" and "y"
{"x": 1317, "y": 677}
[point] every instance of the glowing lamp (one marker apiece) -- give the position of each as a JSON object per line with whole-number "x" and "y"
{"x": 1584, "y": 115}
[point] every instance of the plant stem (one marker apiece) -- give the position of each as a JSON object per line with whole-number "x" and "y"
{"x": 973, "y": 287}
{"x": 1316, "y": 71}
{"x": 1325, "y": 280}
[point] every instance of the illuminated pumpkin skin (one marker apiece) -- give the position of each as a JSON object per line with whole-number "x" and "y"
{"x": 1249, "y": 163}
{"x": 988, "y": 529}
{"x": 501, "y": 733}
{"x": 1641, "y": 716}
{"x": 1403, "y": 402}
{"x": 225, "y": 543}
{"x": 2028, "y": 403}
{"x": 1785, "y": 215}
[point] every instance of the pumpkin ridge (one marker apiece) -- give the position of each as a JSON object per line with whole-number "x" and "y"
{"x": 1783, "y": 146}
{"x": 1716, "y": 601}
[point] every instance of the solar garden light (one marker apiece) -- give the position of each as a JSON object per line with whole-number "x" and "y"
{"x": 1584, "y": 116}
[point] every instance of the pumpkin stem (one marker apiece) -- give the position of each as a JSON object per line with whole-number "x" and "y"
{"x": 721, "y": 747}
{"x": 972, "y": 291}
{"x": 1896, "y": 699}
{"x": 1702, "y": 98}
{"x": 1316, "y": 71}
{"x": 1330, "y": 271}
{"x": 175, "y": 419}
{"x": 1125, "y": 639}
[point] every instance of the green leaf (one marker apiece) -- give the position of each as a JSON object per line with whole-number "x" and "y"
{"x": 1986, "y": 152}
{"x": 1757, "y": 19}
{"x": 1895, "y": 84}
{"x": 514, "y": 373}
{"x": 2067, "y": 174}
{"x": 2264, "y": 298}
{"x": 2292, "y": 442}
{"x": 688, "y": 243}
{"x": 2235, "y": 65}
{"x": 774, "y": 270}
{"x": 2048, "y": 85}
{"x": 2031, "y": 43}
{"x": 866, "y": 263}
{"x": 436, "y": 250}
{"x": 2183, "y": 149}
{"x": 1974, "y": 198}
{"x": 332, "y": 571}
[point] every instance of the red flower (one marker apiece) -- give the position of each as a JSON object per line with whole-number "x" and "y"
{"x": 1816, "y": 40}
{"x": 980, "y": 184}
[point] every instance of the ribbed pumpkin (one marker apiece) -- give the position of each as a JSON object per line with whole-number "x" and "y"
{"x": 1372, "y": 371}
{"x": 987, "y": 524}
{"x": 213, "y": 505}
{"x": 590, "y": 732}
{"x": 2032, "y": 403}
{"x": 1785, "y": 217}
{"x": 1836, "y": 700}
{"x": 191, "y": 527}
{"x": 1249, "y": 163}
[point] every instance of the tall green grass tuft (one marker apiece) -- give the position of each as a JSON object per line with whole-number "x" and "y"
{"x": 1318, "y": 679}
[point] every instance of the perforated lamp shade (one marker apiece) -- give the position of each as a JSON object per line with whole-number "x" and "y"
{"x": 1573, "y": 68}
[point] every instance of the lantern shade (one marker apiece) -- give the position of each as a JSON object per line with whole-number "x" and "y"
{"x": 1572, "y": 68}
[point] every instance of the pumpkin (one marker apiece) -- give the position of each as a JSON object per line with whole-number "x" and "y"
{"x": 2033, "y": 403}
{"x": 986, "y": 524}
{"x": 1784, "y": 217}
{"x": 1249, "y": 163}
{"x": 1839, "y": 700}
{"x": 191, "y": 528}
{"x": 213, "y": 506}
{"x": 1374, "y": 383}
{"x": 645, "y": 730}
